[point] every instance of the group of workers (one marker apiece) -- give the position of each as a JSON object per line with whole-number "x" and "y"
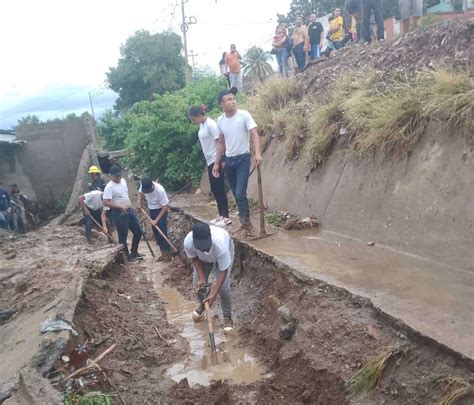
{"x": 12, "y": 209}
{"x": 226, "y": 149}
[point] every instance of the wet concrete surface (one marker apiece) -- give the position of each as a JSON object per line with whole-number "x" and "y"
{"x": 434, "y": 299}
{"x": 235, "y": 363}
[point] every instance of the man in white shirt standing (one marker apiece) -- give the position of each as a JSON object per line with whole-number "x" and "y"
{"x": 235, "y": 128}
{"x": 92, "y": 207}
{"x": 117, "y": 199}
{"x": 211, "y": 249}
{"x": 157, "y": 201}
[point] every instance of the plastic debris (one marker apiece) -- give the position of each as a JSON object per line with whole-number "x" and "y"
{"x": 56, "y": 326}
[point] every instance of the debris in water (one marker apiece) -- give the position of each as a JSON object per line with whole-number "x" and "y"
{"x": 370, "y": 243}
{"x": 296, "y": 224}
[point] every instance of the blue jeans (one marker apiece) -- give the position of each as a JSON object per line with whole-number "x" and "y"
{"x": 237, "y": 173}
{"x": 224, "y": 292}
{"x": 163, "y": 225}
{"x": 282, "y": 60}
{"x": 88, "y": 223}
{"x": 4, "y": 219}
{"x": 314, "y": 52}
{"x": 300, "y": 56}
{"x": 123, "y": 224}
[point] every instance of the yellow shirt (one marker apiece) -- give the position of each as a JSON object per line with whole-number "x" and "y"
{"x": 339, "y": 34}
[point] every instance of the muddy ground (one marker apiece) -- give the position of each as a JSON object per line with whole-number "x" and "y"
{"x": 308, "y": 337}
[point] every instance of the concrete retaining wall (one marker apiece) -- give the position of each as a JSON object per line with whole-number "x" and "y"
{"x": 421, "y": 205}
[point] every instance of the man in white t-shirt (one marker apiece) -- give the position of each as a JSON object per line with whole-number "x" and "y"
{"x": 93, "y": 207}
{"x": 211, "y": 249}
{"x": 157, "y": 201}
{"x": 117, "y": 199}
{"x": 235, "y": 129}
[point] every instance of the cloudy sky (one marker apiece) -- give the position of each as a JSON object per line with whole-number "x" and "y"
{"x": 54, "y": 53}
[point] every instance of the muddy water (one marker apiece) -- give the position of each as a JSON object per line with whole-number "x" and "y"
{"x": 235, "y": 363}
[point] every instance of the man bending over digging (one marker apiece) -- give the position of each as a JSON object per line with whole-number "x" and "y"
{"x": 211, "y": 249}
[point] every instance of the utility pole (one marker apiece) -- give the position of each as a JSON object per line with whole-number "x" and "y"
{"x": 193, "y": 55}
{"x": 92, "y": 107}
{"x": 184, "y": 29}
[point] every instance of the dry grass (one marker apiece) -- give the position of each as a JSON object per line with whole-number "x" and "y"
{"x": 455, "y": 388}
{"x": 368, "y": 377}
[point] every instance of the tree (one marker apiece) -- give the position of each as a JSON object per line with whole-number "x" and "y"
{"x": 257, "y": 66}
{"x": 148, "y": 64}
{"x": 159, "y": 135}
{"x": 28, "y": 120}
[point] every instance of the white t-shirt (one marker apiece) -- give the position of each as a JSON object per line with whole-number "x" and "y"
{"x": 93, "y": 200}
{"x": 236, "y": 132}
{"x": 118, "y": 193}
{"x": 157, "y": 198}
{"x": 219, "y": 252}
{"x": 208, "y": 136}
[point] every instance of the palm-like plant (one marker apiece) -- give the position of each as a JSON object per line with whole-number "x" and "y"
{"x": 257, "y": 65}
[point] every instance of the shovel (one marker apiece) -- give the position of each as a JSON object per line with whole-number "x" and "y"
{"x": 202, "y": 295}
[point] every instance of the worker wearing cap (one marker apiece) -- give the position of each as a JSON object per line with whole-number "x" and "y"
{"x": 211, "y": 249}
{"x": 98, "y": 182}
{"x": 157, "y": 202}
{"x": 116, "y": 198}
{"x": 93, "y": 207}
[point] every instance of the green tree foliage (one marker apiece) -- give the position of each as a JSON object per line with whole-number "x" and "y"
{"x": 148, "y": 64}
{"x": 28, "y": 120}
{"x": 257, "y": 66}
{"x": 162, "y": 140}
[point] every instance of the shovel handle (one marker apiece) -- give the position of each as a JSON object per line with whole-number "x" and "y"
{"x": 211, "y": 329}
{"x": 263, "y": 232}
{"x": 159, "y": 230}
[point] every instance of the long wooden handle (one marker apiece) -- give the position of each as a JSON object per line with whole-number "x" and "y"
{"x": 159, "y": 230}
{"x": 211, "y": 329}
{"x": 149, "y": 246}
{"x": 103, "y": 230}
{"x": 260, "y": 203}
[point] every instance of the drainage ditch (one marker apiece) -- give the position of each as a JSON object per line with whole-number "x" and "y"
{"x": 298, "y": 340}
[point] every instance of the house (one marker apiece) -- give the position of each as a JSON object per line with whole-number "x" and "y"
{"x": 451, "y": 7}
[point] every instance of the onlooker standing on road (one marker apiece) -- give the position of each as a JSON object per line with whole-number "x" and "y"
{"x": 410, "y": 8}
{"x": 232, "y": 60}
{"x": 281, "y": 52}
{"x": 157, "y": 201}
{"x": 316, "y": 36}
{"x": 300, "y": 41}
{"x": 336, "y": 29}
{"x": 116, "y": 198}
{"x": 235, "y": 127}
{"x": 208, "y": 136}
{"x": 224, "y": 69}
{"x": 375, "y": 6}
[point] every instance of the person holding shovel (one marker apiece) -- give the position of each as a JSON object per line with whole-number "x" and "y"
{"x": 211, "y": 249}
{"x": 157, "y": 202}
{"x": 208, "y": 136}
{"x": 235, "y": 128}
{"x": 93, "y": 207}
{"x": 116, "y": 198}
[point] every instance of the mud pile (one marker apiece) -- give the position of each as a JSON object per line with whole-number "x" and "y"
{"x": 449, "y": 43}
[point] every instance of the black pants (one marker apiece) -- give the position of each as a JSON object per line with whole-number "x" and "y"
{"x": 163, "y": 225}
{"x": 377, "y": 7}
{"x": 89, "y": 224}
{"x": 218, "y": 189}
{"x": 123, "y": 224}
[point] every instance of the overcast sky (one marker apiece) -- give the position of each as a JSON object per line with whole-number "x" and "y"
{"x": 54, "y": 52}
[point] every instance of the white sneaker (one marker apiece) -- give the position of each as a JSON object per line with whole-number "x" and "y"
{"x": 215, "y": 220}
{"x": 224, "y": 222}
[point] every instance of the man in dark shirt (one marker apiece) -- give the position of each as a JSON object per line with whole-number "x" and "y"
{"x": 98, "y": 182}
{"x": 316, "y": 32}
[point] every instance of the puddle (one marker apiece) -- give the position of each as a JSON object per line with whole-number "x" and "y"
{"x": 236, "y": 364}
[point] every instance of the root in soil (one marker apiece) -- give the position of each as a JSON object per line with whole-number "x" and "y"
{"x": 455, "y": 389}
{"x": 368, "y": 377}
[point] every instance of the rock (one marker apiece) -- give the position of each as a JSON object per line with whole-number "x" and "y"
{"x": 370, "y": 243}
{"x": 306, "y": 396}
{"x": 6, "y": 314}
{"x": 287, "y": 331}
{"x": 285, "y": 313}
{"x": 272, "y": 302}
